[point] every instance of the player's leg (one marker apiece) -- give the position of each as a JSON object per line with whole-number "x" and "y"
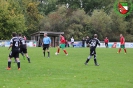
{"x": 21, "y": 51}
{"x": 18, "y": 63}
{"x": 63, "y": 48}
{"x": 89, "y": 57}
{"x": 17, "y": 58}
{"x": 65, "y": 52}
{"x": 95, "y": 59}
{"x": 119, "y": 49}
{"x": 22, "y": 54}
{"x": 9, "y": 63}
{"x": 48, "y": 51}
{"x": 124, "y": 49}
{"x": 44, "y": 50}
{"x": 28, "y": 58}
{"x": 58, "y": 50}
{"x": 26, "y": 54}
{"x": 107, "y": 45}
{"x": 9, "y": 60}
{"x": 15, "y": 61}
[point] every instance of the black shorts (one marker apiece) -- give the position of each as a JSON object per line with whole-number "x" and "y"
{"x": 14, "y": 53}
{"x": 45, "y": 46}
{"x": 24, "y": 50}
{"x": 92, "y": 51}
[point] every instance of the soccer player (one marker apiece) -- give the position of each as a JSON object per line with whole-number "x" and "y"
{"x": 14, "y": 43}
{"x": 122, "y": 42}
{"x": 23, "y": 47}
{"x": 62, "y": 45}
{"x": 46, "y": 44}
{"x": 83, "y": 42}
{"x": 106, "y": 40}
{"x": 93, "y": 44}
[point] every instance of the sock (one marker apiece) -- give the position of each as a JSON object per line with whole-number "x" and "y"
{"x": 88, "y": 59}
{"x": 48, "y": 54}
{"x": 95, "y": 60}
{"x": 58, "y": 50}
{"x": 18, "y": 63}
{"x": 65, "y": 51}
{"x": 28, "y": 59}
{"x": 44, "y": 54}
{"x": 125, "y": 50}
{"x": 119, "y": 50}
{"x": 9, "y": 63}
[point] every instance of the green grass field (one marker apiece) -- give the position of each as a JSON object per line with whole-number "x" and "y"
{"x": 115, "y": 70}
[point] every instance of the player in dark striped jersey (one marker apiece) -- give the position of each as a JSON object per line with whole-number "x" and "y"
{"x": 93, "y": 45}
{"x": 23, "y": 47}
{"x": 14, "y": 44}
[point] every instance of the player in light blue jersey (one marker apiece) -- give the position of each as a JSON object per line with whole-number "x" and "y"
{"x": 46, "y": 44}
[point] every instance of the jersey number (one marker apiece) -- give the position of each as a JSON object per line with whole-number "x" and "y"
{"x": 93, "y": 43}
{"x": 16, "y": 44}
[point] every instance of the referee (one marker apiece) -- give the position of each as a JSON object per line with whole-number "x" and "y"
{"x": 46, "y": 44}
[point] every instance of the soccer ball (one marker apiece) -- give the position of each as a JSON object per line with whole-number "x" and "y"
{"x": 56, "y": 53}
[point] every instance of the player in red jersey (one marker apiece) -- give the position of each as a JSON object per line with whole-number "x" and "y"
{"x": 106, "y": 40}
{"x": 122, "y": 42}
{"x": 62, "y": 45}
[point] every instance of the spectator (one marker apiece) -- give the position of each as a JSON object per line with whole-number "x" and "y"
{"x": 72, "y": 41}
{"x": 66, "y": 44}
{"x": 25, "y": 38}
{"x": 87, "y": 39}
{"x": 83, "y": 42}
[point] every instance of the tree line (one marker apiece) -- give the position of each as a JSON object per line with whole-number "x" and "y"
{"x": 77, "y": 18}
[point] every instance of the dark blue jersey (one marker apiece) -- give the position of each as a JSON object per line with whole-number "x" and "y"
{"x": 94, "y": 42}
{"x": 15, "y": 43}
{"x": 22, "y": 42}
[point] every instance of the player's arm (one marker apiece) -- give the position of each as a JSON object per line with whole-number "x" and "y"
{"x": 89, "y": 42}
{"x": 49, "y": 42}
{"x": 98, "y": 42}
{"x": 11, "y": 44}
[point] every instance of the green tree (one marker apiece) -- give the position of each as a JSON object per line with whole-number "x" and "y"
{"x": 100, "y": 23}
{"x": 11, "y": 20}
{"x": 118, "y": 26}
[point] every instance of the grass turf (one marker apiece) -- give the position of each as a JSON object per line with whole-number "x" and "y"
{"x": 115, "y": 70}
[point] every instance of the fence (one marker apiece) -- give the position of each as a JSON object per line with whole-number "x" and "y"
{"x": 6, "y": 43}
{"x": 102, "y": 45}
{"x": 33, "y": 43}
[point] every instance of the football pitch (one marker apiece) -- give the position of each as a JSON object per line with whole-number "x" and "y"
{"x": 115, "y": 70}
